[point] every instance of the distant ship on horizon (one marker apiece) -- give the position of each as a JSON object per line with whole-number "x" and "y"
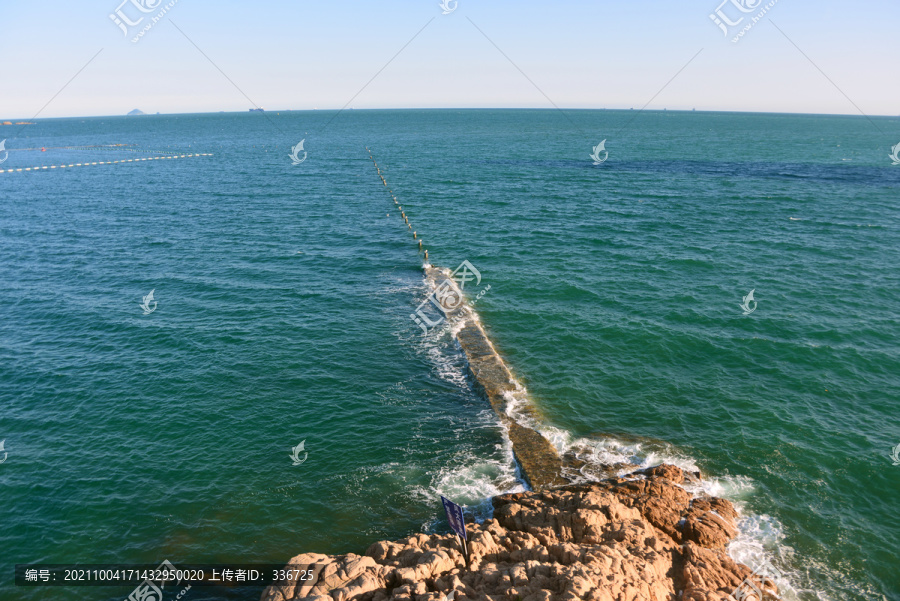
{"x": 259, "y": 110}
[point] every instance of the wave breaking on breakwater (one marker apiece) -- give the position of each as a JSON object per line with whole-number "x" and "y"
{"x": 536, "y": 456}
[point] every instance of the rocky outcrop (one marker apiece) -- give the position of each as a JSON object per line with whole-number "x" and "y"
{"x": 638, "y": 538}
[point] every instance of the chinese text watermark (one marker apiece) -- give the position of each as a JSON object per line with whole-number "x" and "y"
{"x": 139, "y": 10}
{"x": 447, "y": 298}
{"x": 739, "y": 9}
{"x": 151, "y": 588}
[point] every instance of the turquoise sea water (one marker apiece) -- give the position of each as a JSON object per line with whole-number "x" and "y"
{"x": 284, "y": 294}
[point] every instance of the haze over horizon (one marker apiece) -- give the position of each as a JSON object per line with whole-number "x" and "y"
{"x": 575, "y": 55}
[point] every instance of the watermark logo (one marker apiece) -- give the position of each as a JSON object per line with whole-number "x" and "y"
{"x": 721, "y": 19}
{"x": 5, "y": 454}
{"x": 146, "y": 304}
{"x": 295, "y": 152}
{"x": 741, "y": 8}
{"x": 295, "y": 453}
{"x": 895, "y": 454}
{"x": 140, "y": 9}
{"x": 6, "y": 153}
{"x": 447, "y": 297}
{"x": 465, "y": 273}
{"x": 746, "y": 304}
{"x": 121, "y": 20}
{"x": 151, "y": 588}
{"x": 894, "y": 152}
{"x": 754, "y": 588}
{"x": 448, "y": 6}
{"x": 601, "y": 147}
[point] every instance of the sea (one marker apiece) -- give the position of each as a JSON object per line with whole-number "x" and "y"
{"x": 275, "y": 397}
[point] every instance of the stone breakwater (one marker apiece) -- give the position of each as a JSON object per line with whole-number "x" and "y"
{"x": 538, "y": 459}
{"x": 641, "y": 537}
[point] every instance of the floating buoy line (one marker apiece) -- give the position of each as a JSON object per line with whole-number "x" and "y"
{"x": 95, "y": 147}
{"x": 86, "y": 163}
{"x": 123, "y": 147}
{"x": 398, "y": 206}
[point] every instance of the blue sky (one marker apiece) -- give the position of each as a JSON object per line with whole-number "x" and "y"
{"x": 304, "y": 54}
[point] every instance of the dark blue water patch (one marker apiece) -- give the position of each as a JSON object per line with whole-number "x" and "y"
{"x": 837, "y": 174}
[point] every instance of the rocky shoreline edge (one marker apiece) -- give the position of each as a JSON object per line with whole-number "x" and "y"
{"x": 641, "y": 537}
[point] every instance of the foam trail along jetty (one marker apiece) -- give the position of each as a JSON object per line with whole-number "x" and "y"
{"x": 538, "y": 459}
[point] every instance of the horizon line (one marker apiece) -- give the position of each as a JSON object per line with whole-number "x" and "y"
{"x": 10, "y": 120}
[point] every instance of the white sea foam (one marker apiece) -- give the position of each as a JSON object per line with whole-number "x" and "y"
{"x": 612, "y": 451}
{"x": 471, "y": 481}
{"x": 475, "y": 484}
{"x": 517, "y": 404}
{"x": 442, "y": 351}
{"x": 759, "y": 543}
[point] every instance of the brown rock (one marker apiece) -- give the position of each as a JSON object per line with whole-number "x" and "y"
{"x": 669, "y": 472}
{"x": 710, "y": 522}
{"x": 639, "y": 538}
{"x": 708, "y": 530}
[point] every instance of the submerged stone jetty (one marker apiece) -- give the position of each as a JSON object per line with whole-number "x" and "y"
{"x": 642, "y": 537}
{"x": 538, "y": 460}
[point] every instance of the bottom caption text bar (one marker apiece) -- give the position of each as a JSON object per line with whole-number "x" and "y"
{"x": 165, "y": 574}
